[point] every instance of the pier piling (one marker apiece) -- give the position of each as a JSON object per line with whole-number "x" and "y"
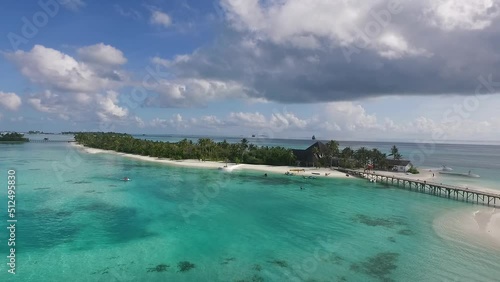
{"x": 450, "y": 191}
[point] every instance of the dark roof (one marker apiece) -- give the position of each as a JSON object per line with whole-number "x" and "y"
{"x": 392, "y": 162}
{"x": 300, "y": 154}
{"x": 307, "y": 155}
{"x": 322, "y": 147}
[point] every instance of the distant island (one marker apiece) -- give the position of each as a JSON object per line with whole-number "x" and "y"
{"x": 13, "y": 137}
{"x": 39, "y": 132}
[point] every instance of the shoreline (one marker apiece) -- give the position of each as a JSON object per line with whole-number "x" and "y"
{"x": 307, "y": 171}
{"x": 479, "y": 226}
{"x": 426, "y": 174}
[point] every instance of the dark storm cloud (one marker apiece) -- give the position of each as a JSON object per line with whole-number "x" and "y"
{"x": 449, "y": 61}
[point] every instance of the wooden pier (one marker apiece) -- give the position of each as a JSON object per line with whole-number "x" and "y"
{"x": 471, "y": 195}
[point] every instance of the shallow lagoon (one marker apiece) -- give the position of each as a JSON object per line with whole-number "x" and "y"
{"x": 82, "y": 223}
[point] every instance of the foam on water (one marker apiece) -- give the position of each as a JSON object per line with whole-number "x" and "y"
{"x": 231, "y": 168}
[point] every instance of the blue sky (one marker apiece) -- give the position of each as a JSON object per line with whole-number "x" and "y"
{"x": 348, "y": 70}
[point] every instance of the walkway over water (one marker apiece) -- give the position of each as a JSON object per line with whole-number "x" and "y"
{"x": 473, "y": 195}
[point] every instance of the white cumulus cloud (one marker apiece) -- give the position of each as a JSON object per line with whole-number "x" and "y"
{"x": 74, "y": 89}
{"x": 160, "y": 18}
{"x": 330, "y": 23}
{"x": 10, "y": 101}
{"x": 102, "y": 54}
{"x": 192, "y": 92}
{"x": 462, "y": 14}
{"x": 53, "y": 69}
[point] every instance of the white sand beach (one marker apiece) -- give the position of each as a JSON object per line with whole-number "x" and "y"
{"x": 477, "y": 226}
{"x": 425, "y": 174}
{"x": 305, "y": 171}
{"x": 488, "y": 221}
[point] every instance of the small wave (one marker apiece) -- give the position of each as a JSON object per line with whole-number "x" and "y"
{"x": 231, "y": 168}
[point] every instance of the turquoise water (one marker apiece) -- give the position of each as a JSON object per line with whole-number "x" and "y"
{"x": 78, "y": 222}
{"x": 482, "y": 159}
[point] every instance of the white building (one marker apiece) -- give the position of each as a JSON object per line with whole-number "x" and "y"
{"x": 399, "y": 165}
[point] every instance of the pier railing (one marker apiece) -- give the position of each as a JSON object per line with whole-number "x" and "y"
{"x": 465, "y": 194}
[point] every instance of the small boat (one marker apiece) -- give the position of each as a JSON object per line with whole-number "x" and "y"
{"x": 316, "y": 173}
{"x": 125, "y": 179}
{"x": 289, "y": 173}
{"x": 469, "y": 174}
{"x": 227, "y": 168}
{"x": 445, "y": 168}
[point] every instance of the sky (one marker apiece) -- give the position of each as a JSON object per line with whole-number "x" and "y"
{"x": 382, "y": 70}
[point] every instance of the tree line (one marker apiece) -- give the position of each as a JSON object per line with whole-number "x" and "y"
{"x": 203, "y": 149}
{"x": 242, "y": 152}
{"x": 13, "y": 137}
{"x": 363, "y": 157}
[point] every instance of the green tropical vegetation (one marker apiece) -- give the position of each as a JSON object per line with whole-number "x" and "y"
{"x": 39, "y": 132}
{"x": 242, "y": 152}
{"x": 204, "y": 149}
{"x": 362, "y": 158}
{"x": 413, "y": 170}
{"x": 13, "y": 137}
{"x": 332, "y": 150}
{"x": 395, "y": 153}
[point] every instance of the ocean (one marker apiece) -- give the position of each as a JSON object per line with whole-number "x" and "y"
{"x": 77, "y": 221}
{"x": 482, "y": 159}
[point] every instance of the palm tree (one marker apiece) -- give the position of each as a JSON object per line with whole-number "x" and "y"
{"x": 362, "y": 156}
{"x": 378, "y": 159}
{"x": 395, "y": 153}
{"x": 244, "y": 143}
{"x": 243, "y": 147}
{"x": 333, "y": 150}
{"x": 315, "y": 152}
{"x": 347, "y": 154}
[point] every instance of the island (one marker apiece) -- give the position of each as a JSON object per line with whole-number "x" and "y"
{"x": 319, "y": 154}
{"x": 34, "y": 132}
{"x": 13, "y": 137}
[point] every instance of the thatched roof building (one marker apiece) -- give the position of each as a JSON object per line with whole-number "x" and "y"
{"x": 311, "y": 156}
